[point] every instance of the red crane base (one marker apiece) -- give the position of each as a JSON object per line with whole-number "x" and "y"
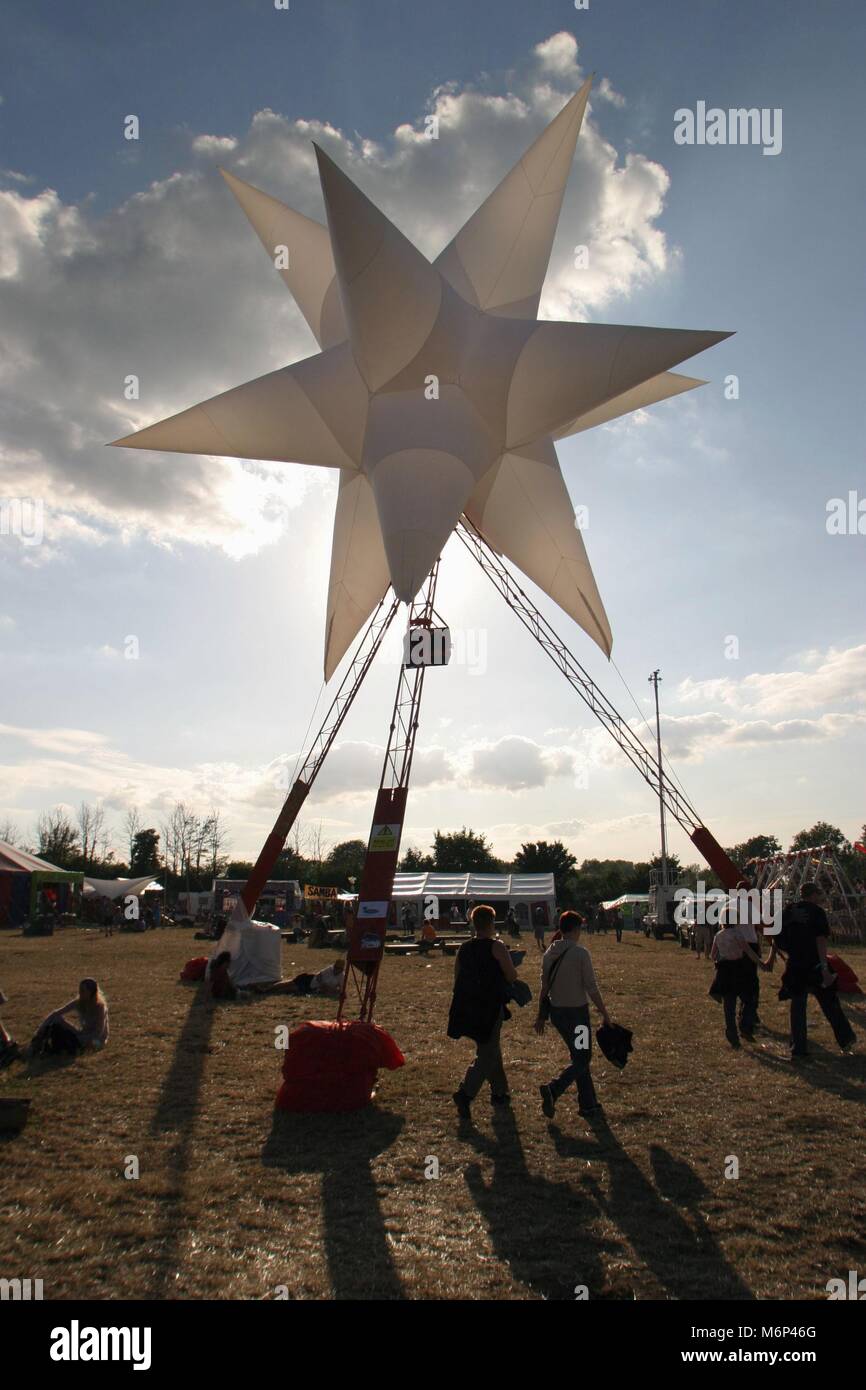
{"x": 331, "y": 1067}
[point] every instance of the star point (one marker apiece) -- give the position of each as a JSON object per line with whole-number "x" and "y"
{"x": 437, "y": 391}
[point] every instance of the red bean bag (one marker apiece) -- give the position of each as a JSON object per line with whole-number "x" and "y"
{"x": 847, "y": 982}
{"x": 332, "y": 1066}
{"x": 194, "y": 969}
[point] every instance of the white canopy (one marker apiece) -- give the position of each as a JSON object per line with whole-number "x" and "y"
{"x": 477, "y": 887}
{"x": 121, "y": 887}
{"x": 437, "y": 391}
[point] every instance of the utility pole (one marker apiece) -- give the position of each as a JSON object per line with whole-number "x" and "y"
{"x": 654, "y": 682}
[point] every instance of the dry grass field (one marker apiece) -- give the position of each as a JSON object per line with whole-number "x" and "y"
{"x": 233, "y": 1202}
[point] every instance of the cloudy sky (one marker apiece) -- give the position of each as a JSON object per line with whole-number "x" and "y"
{"x": 163, "y": 639}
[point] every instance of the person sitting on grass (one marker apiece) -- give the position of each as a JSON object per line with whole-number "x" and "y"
{"x": 221, "y": 986}
{"x": 56, "y": 1035}
{"x": 9, "y": 1048}
{"x": 428, "y": 938}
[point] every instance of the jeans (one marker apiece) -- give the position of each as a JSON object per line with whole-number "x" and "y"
{"x": 487, "y": 1066}
{"x": 56, "y": 1038}
{"x": 565, "y": 1021}
{"x": 832, "y": 1010}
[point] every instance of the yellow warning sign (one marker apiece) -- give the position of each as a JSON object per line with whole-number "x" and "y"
{"x": 384, "y": 837}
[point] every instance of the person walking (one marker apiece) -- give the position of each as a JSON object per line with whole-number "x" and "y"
{"x": 703, "y": 930}
{"x": 803, "y": 938}
{"x": 483, "y": 971}
{"x": 751, "y": 979}
{"x": 567, "y": 984}
{"x": 539, "y": 926}
{"x": 729, "y": 952}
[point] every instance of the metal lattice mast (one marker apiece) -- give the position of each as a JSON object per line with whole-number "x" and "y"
{"x": 349, "y": 686}
{"x": 367, "y": 933}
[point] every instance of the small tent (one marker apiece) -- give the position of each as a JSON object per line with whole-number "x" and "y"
{"x": 255, "y": 949}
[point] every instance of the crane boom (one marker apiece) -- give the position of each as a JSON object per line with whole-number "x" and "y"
{"x": 674, "y": 801}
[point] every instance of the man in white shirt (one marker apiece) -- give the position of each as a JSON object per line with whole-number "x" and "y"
{"x": 568, "y": 979}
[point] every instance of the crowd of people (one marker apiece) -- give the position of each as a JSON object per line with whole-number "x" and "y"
{"x": 801, "y": 942}
{"x": 486, "y": 981}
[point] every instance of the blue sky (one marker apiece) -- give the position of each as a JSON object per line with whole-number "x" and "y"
{"x": 707, "y": 517}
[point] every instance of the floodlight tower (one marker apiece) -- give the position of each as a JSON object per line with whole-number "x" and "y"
{"x": 654, "y": 682}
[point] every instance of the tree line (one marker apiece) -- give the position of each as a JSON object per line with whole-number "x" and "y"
{"x": 189, "y": 849}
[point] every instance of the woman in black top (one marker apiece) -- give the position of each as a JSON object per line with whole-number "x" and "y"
{"x": 482, "y": 973}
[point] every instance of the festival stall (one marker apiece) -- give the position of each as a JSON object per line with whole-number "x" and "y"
{"x": 32, "y": 890}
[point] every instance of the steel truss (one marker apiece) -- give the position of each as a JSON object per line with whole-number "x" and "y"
{"x": 366, "y": 650}
{"x": 367, "y": 933}
{"x": 818, "y": 864}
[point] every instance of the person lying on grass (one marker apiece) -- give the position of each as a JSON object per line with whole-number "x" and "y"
{"x": 56, "y": 1034}
{"x": 328, "y": 982}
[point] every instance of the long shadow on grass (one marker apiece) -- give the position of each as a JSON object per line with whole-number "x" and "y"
{"x": 844, "y": 1077}
{"x": 538, "y": 1227}
{"x": 176, "y": 1112}
{"x": 343, "y": 1148}
{"x": 672, "y": 1247}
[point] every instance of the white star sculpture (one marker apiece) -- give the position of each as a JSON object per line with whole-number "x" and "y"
{"x": 437, "y": 391}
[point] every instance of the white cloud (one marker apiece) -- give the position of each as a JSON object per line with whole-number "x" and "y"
{"x": 606, "y": 91}
{"x": 558, "y": 54}
{"x": 173, "y": 287}
{"x": 836, "y": 675}
{"x": 214, "y": 144}
{"x": 516, "y": 764}
{"x": 56, "y": 740}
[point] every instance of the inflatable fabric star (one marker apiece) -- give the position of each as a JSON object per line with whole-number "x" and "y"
{"x": 437, "y": 391}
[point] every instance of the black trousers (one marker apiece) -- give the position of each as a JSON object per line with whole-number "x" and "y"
{"x": 832, "y": 1011}
{"x": 751, "y": 993}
